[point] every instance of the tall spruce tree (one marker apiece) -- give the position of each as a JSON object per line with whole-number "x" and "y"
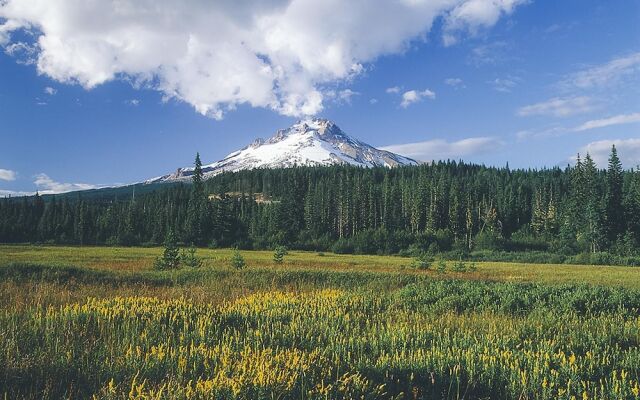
{"x": 632, "y": 207}
{"x": 614, "y": 210}
{"x": 593, "y": 228}
{"x": 197, "y": 205}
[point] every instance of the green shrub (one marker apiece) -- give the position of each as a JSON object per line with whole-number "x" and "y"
{"x": 237, "y": 261}
{"x": 279, "y": 253}
{"x": 189, "y": 258}
{"x": 170, "y": 258}
{"x": 422, "y": 261}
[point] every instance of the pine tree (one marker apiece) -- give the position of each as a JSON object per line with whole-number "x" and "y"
{"x": 614, "y": 210}
{"x": 170, "y": 258}
{"x": 190, "y": 259}
{"x": 632, "y": 207}
{"x": 279, "y": 253}
{"x": 197, "y": 205}
{"x": 593, "y": 232}
{"x": 237, "y": 261}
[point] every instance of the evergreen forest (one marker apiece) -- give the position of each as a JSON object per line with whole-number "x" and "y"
{"x": 579, "y": 214}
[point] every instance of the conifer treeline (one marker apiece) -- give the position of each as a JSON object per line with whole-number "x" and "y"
{"x": 436, "y": 207}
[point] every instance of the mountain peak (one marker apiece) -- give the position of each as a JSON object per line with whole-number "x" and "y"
{"x": 311, "y": 142}
{"x": 318, "y": 126}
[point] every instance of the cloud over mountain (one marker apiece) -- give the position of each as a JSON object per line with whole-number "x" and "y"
{"x": 440, "y": 149}
{"x": 46, "y": 185}
{"x": 217, "y": 55}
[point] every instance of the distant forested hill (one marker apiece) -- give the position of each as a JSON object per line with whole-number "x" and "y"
{"x": 441, "y": 207}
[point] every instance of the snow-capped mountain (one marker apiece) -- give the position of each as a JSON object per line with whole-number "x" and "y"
{"x": 311, "y": 142}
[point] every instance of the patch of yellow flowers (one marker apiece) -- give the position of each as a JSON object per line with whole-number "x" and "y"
{"x": 332, "y": 344}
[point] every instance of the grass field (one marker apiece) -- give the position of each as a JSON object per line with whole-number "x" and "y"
{"x": 138, "y": 259}
{"x": 87, "y": 322}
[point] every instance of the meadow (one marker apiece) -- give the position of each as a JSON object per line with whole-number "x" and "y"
{"x": 98, "y": 322}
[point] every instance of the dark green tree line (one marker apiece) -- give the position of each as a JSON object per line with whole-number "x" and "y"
{"x": 444, "y": 206}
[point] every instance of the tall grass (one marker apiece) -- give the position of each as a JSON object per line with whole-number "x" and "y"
{"x": 323, "y": 344}
{"x": 308, "y": 332}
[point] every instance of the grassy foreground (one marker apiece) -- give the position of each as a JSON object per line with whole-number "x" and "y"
{"x": 98, "y": 323}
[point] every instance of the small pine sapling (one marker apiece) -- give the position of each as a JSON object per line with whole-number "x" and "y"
{"x": 170, "y": 258}
{"x": 189, "y": 258}
{"x": 237, "y": 261}
{"x": 279, "y": 253}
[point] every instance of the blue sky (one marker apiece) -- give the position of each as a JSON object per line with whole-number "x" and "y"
{"x": 531, "y": 83}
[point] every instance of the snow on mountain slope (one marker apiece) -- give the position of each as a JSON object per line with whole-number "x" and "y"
{"x": 311, "y": 142}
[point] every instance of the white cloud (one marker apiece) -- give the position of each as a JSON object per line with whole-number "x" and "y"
{"x": 456, "y": 83}
{"x": 504, "y": 85}
{"x": 346, "y": 95}
{"x": 373, "y": 101}
{"x": 559, "y": 107}
{"x": 7, "y": 175}
{"x": 341, "y": 96}
{"x": 604, "y": 122}
{"x": 50, "y": 91}
{"x": 475, "y": 14}
{"x": 628, "y": 152}
{"x": 492, "y": 53}
{"x": 215, "y": 55}
{"x": 414, "y": 96}
{"x": 393, "y": 90}
{"x": 592, "y": 124}
{"x": 132, "y": 102}
{"x": 606, "y": 74}
{"x": 440, "y": 149}
{"x": 539, "y": 133}
{"x": 47, "y": 185}
{"x": 24, "y": 53}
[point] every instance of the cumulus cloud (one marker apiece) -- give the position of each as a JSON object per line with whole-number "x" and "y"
{"x": 475, "y": 14}
{"x": 7, "y": 175}
{"x": 50, "y": 91}
{"x": 46, "y": 185}
{"x": 559, "y": 107}
{"x": 605, "y": 74}
{"x": 393, "y": 90}
{"x": 132, "y": 102}
{"x": 414, "y": 96}
{"x": 215, "y": 56}
{"x": 628, "y": 152}
{"x": 440, "y": 149}
{"x": 604, "y": 122}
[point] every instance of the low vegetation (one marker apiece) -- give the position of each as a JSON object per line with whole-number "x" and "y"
{"x": 316, "y": 327}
